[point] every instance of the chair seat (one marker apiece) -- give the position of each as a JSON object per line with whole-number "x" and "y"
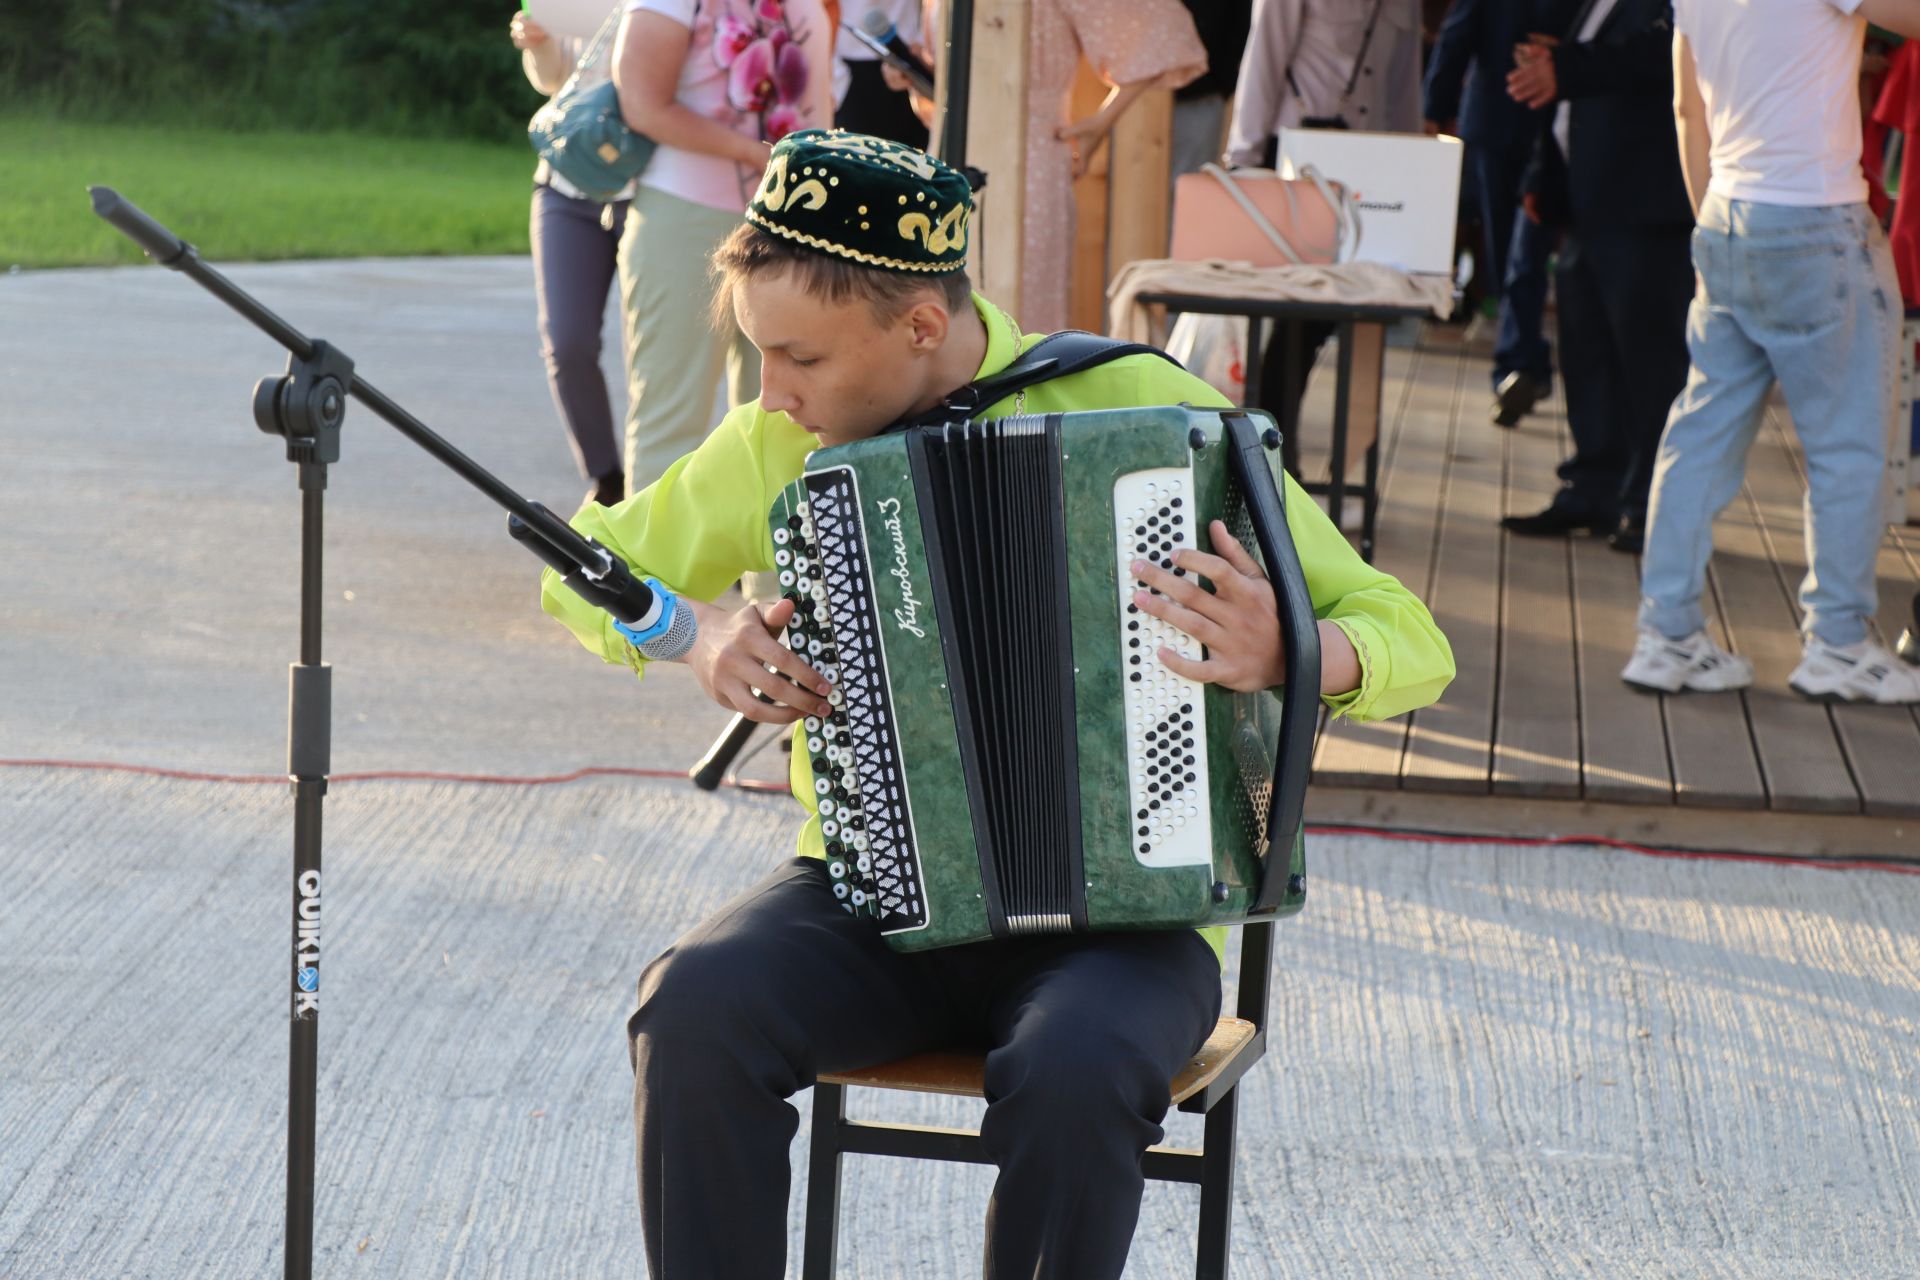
{"x": 962, "y": 1074}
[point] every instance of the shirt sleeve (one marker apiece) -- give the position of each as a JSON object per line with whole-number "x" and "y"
{"x": 1138, "y": 40}
{"x": 696, "y": 529}
{"x": 1405, "y": 660}
{"x": 1262, "y": 90}
{"x": 681, "y": 11}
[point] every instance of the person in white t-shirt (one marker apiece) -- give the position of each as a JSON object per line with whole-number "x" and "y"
{"x": 1794, "y": 283}
{"x": 713, "y": 83}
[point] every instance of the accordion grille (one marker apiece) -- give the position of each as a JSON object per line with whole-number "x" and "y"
{"x": 859, "y": 778}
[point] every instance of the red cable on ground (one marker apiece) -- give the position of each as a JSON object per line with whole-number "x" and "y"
{"x": 777, "y": 788}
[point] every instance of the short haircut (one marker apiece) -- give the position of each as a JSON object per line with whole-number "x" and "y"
{"x": 750, "y": 251}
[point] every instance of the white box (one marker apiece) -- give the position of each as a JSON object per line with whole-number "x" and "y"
{"x": 1407, "y": 187}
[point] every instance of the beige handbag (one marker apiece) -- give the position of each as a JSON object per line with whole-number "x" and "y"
{"x": 1256, "y": 216}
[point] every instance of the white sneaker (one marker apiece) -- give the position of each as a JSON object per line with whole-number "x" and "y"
{"x": 1862, "y": 672}
{"x": 1660, "y": 665}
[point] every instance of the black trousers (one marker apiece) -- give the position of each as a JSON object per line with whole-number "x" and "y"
{"x": 1623, "y": 355}
{"x": 1083, "y": 1035}
{"x": 872, "y": 108}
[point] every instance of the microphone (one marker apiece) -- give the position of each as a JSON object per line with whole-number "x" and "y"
{"x": 877, "y": 32}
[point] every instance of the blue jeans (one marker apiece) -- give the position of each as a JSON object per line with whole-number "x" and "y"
{"x": 1807, "y": 296}
{"x": 1521, "y": 344}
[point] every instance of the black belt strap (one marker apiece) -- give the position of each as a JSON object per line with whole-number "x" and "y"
{"x": 1054, "y": 356}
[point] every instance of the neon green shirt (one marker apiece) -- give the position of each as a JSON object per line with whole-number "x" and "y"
{"x": 704, "y": 523}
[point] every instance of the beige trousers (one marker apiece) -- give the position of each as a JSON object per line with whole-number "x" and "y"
{"x": 674, "y": 357}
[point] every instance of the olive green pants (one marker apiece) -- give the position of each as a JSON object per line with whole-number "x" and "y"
{"x": 674, "y": 356}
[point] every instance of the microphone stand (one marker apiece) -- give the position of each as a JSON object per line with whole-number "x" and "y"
{"x": 305, "y": 407}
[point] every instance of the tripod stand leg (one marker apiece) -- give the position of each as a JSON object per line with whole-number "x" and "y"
{"x": 713, "y": 766}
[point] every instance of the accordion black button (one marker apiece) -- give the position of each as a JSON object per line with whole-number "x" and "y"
{"x": 1220, "y": 891}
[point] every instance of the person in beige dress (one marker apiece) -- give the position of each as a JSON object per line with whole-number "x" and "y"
{"x": 1134, "y": 45}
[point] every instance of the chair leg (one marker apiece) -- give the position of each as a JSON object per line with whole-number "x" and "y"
{"x": 823, "y": 1183}
{"x": 1216, "y": 1189}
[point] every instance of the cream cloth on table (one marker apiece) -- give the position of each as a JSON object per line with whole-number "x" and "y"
{"x": 1346, "y": 284}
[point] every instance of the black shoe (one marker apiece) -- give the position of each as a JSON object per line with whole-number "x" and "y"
{"x": 609, "y": 489}
{"x": 1557, "y": 520}
{"x": 1629, "y": 536}
{"x": 1515, "y": 398}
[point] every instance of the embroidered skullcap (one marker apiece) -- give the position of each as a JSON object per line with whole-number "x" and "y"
{"x": 867, "y": 200}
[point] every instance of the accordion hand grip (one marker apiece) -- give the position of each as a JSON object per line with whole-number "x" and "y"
{"x": 1246, "y": 457}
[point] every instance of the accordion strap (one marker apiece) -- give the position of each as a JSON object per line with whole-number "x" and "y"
{"x": 1054, "y": 356}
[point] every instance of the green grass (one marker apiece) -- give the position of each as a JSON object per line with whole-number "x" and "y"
{"x": 256, "y": 196}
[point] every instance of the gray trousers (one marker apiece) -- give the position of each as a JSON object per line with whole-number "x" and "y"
{"x": 573, "y": 268}
{"x": 781, "y": 985}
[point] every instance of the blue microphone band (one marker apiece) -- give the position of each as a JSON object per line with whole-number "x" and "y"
{"x": 668, "y": 630}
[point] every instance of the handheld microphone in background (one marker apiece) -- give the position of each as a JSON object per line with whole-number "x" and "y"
{"x": 877, "y": 32}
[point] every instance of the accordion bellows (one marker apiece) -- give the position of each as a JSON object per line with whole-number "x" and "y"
{"x": 1007, "y": 755}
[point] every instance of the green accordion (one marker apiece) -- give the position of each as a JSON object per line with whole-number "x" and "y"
{"x": 1006, "y": 754}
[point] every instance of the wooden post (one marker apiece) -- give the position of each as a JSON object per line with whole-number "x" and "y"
{"x": 1139, "y": 199}
{"x": 1087, "y": 281}
{"x": 997, "y": 143}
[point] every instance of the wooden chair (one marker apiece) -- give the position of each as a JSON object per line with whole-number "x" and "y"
{"x": 1207, "y": 1086}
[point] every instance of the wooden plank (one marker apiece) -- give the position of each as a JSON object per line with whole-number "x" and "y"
{"x": 1843, "y": 836}
{"x": 1087, "y": 284}
{"x": 1427, "y": 384}
{"x": 1800, "y": 756}
{"x": 1141, "y": 162}
{"x": 1881, "y": 744}
{"x": 1709, "y": 740}
{"x": 1449, "y": 745}
{"x": 1537, "y": 715}
{"x": 1623, "y": 737}
{"x": 962, "y": 1074}
{"x": 997, "y": 143}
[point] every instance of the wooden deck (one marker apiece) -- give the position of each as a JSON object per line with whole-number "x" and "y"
{"x": 1537, "y": 730}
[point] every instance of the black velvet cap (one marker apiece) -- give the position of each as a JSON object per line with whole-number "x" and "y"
{"x": 871, "y": 201}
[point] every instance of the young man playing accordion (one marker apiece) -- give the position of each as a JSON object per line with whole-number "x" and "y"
{"x": 848, "y": 275}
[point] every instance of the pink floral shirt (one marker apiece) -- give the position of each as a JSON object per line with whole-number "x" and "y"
{"x": 762, "y": 67}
